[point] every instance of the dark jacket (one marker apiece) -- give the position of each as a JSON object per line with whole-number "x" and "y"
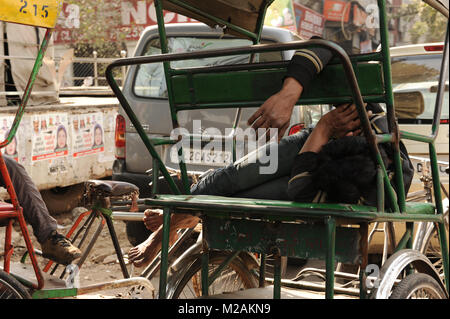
{"x": 344, "y": 171}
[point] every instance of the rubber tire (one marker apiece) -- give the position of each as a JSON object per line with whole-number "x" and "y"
{"x": 63, "y": 199}
{"x": 413, "y": 282}
{"x": 9, "y": 283}
{"x": 247, "y": 277}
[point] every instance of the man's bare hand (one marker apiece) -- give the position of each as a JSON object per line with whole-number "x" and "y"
{"x": 342, "y": 121}
{"x": 339, "y": 122}
{"x": 277, "y": 110}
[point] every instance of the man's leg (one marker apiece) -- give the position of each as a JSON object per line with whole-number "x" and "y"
{"x": 34, "y": 210}
{"x": 54, "y": 245}
{"x": 248, "y": 173}
{"x": 241, "y": 179}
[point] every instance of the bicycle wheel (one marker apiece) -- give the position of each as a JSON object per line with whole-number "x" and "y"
{"x": 418, "y": 286}
{"x": 432, "y": 248}
{"x": 236, "y": 276}
{"x": 10, "y": 288}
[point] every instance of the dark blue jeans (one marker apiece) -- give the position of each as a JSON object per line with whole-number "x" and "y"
{"x": 34, "y": 210}
{"x": 244, "y": 178}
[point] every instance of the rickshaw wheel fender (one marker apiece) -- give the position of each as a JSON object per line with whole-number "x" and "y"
{"x": 396, "y": 264}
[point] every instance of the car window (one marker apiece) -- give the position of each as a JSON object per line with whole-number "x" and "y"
{"x": 150, "y": 80}
{"x": 415, "y": 80}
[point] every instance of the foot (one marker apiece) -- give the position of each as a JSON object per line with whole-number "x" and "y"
{"x": 144, "y": 253}
{"x": 153, "y": 218}
{"x": 59, "y": 249}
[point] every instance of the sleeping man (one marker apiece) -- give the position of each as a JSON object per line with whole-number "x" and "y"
{"x": 328, "y": 163}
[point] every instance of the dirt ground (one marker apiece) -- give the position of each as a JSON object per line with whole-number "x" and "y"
{"x": 101, "y": 264}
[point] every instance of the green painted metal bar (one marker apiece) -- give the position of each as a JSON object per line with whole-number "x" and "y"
{"x": 27, "y": 92}
{"x": 137, "y": 125}
{"x": 416, "y": 137}
{"x": 284, "y": 210}
{"x": 155, "y": 176}
{"x": 392, "y": 123}
{"x": 277, "y": 276}
{"x": 386, "y": 59}
{"x": 444, "y": 253}
{"x": 164, "y": 254}
{"x": 260, "y": 22}
{"x": 439, "y": 211}
{"x": 399, "y": 181}
{"x": 380, "y": 190}
{"x": 387, "y": 184}
{"x": 369, "y": 57}
{"x": 410, "y": 227}
{"x": 170, "y": 91}
{"x": 162, "y": 141}
{"x": 436, "y": 179}
{"x": 384, "y": 138}
{"x": 221, "y": 267}
{"x": 363, "y": 262}
{"x": 402, "y": 244}
{"x": 54, "y": 293}
{"x": 302, "y": 101}
{"x": 441, "y": 86}
{"x": 262, "y": 271}
{"x": 362, "y": 284}
{"x": 186, "y": 6}
{"x": 205, "y": 272}
{"x": 330, "y": 258}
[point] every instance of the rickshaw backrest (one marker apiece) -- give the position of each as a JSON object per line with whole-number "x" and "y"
{"x": 197, "y": 89}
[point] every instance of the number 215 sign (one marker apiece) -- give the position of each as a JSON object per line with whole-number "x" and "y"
{"x": 40, "y": 13}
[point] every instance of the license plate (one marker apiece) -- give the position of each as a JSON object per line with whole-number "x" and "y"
{"x": 202, "y": 157}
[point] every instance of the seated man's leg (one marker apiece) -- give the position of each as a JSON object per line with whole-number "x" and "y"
{"x": 54, "y": 245}
{"x": 249, "y": 172}
{"x": 241, "y": 179}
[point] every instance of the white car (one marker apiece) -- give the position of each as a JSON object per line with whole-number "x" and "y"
{"x": 415, "y": 76}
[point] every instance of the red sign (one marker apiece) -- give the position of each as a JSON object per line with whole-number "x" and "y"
{"x": 135, "y": 16}
{"x": 309, "y": 22}
{"x": 335, "y": 10}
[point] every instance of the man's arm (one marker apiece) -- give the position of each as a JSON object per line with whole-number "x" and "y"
{"x": 339, "y": 122}
{"x": 277, "y": 110}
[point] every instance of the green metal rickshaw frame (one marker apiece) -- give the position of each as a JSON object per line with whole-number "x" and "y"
{"x": 367, "y": 79}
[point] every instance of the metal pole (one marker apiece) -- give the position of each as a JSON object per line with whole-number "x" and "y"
{"x": 95, "y": 69}
{"x": 164, "y": 254}
{"x": 330, "y": 257}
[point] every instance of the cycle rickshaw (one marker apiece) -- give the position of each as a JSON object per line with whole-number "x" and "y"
{"x": 240, "y": 225}
{"x": 338, "y": 232}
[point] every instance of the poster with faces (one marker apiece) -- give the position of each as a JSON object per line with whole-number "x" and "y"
{"x": 50, "y": 136}
{"x": 87, "y": 134}
{"x": 12, "y": 149}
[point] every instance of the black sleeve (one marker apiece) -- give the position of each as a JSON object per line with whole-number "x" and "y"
{"x": 306, "y": 63}
{"x": 301, "y": 185}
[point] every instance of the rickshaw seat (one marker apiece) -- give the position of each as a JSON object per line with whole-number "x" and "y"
{"x": 278, "y": 209}
{"x": 111, "y": 188}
